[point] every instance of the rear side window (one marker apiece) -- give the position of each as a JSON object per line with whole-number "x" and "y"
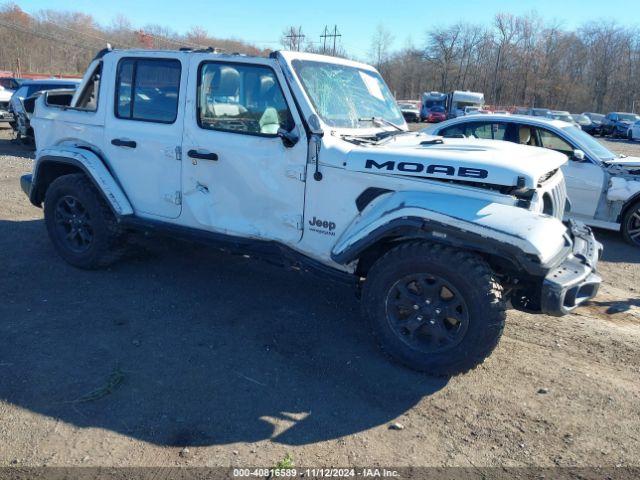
{"x": 480, "y": 130}
{"x": 147, "y": 89}
{"x": 456, "y": 131}
{"x": 88, "y": 99}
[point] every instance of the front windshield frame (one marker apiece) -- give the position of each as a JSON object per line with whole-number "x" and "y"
{"x": 593, "y": 146}
{"x": 355, "y": 118}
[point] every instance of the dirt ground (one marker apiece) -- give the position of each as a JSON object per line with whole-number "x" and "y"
{"x": 243, "y": 362}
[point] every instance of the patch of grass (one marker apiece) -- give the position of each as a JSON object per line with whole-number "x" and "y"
{"x": 285, "y": 463}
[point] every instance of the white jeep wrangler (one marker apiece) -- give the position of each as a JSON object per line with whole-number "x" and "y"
{"x": 308, "y": 157}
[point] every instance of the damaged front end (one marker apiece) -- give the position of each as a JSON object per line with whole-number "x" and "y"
{"x": 623, "y": 187}
{"x": 567, "y": 284}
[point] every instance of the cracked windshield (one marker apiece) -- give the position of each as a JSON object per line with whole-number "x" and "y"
{"x": 347, "y": 97}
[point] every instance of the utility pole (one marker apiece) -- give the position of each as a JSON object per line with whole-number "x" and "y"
{"x": 324, "y": 36}
{"x": 333, "y": 35}
{"x": 295, "y": 38}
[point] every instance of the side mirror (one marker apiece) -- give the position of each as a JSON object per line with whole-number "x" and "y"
{"x": 578, "y": 156}
{"x": 314, "y": 125}
{"x": 289, "y": 138}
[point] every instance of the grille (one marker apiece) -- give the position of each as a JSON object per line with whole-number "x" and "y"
{"x": 4, "y": 105}
{"x": 558, "y": 198}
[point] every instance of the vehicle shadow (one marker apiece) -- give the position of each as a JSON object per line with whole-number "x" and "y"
{"x": 10, "y": 146}
{"x": 615, "y": 248}
{"x": 185, "y": 345}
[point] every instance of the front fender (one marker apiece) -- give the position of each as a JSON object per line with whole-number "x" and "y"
{"x": 529, "y": 239}
{"x": 89, "y": 163}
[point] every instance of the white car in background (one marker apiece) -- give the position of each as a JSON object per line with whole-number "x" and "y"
{"x": 603, "y": 187}
{"x": 5, "y": 97}
{"x": 634, "y": 131}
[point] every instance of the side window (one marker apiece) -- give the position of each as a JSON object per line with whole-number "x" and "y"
{"x": 147, "y": 89}
{"x": 554, "y": 142}
{"x": 456, "y": 131}
{"x": 499, "y": 131}
{"x": 88, "y": 99}
{"x": 480, "y": 130}
{"x": 241, "y": 98}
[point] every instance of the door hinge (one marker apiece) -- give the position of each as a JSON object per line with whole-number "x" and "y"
{"x": 298, "y": 172}
{"x": 294, "y": 221}
{"x": 179, "y": 153}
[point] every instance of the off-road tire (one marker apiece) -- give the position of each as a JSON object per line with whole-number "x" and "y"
{"x": 467, "y": 273}
{"x": 630, "y": 224}
{"x": 108, "y": 239}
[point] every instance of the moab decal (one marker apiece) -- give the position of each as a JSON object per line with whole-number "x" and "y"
{"x": 415, "y": 167}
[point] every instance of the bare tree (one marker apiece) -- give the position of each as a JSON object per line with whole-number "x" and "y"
{"x": 380, "y": 46}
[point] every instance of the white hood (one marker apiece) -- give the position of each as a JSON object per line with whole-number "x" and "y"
{"x": 479, "y": 161}
{"x": 5, "y": 95}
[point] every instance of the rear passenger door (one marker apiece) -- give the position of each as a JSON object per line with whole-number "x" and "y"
{"x": 143, "y": 131}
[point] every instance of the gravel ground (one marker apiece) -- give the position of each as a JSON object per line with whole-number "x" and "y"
{"x": 242, "y": 362}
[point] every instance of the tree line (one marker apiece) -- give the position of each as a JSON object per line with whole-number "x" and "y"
{"x": 60, "y": 42}
{"x": 520, "y": 61}
{"x": 517, "y": 60}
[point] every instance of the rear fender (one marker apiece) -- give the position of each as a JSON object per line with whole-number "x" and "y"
{"x": 529, "y": 240}
{"x": 51, "y": 160}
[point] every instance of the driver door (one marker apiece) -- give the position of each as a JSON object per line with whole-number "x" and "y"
{"x": 584, "y": 179}
{"x": 239, "y": 178}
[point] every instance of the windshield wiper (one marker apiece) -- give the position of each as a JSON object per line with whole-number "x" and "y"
{"x": 380, "y": 122}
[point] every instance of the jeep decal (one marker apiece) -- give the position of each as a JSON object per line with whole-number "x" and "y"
{"x": 416, "y": 167}
{"x": 324, "y": 227}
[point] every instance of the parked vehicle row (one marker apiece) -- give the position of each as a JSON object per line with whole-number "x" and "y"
{"x": 615, "y": 124}
{"x": 603, "y": 188}
{"x": 21, "y": 102}
{"x": 309, "y": 158}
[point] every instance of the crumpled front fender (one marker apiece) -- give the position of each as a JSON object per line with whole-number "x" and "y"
{"x": 88, "y": 162}
{"x": 471, "y": 223}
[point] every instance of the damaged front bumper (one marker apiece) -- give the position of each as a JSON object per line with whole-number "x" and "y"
{"x": 575, "y": 280}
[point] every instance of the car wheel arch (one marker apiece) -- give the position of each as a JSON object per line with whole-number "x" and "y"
{"x": 55, "y": 162}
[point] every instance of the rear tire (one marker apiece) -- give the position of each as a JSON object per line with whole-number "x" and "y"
{"x": 433, "y": 308}
{"x": 81, "y": 226}
{"x": 631, "y": 225}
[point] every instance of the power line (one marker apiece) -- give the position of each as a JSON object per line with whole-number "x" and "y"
{"x": 295, "y": 38}
{"x": 88, "y": 35}
{"x": 326, "y": 35}
{"x": 46, "y": 36}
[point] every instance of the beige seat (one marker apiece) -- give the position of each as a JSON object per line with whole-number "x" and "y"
{"x": 525, "y": 136}
{"x": 225, "y": 84}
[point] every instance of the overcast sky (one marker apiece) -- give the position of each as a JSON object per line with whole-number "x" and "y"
{"x": 262, "y": 22}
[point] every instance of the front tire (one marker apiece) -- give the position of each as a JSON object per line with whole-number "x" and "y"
{"x": 631, "y": 225}
{"x": 81, "y": 226}
{"x": 433, "y": 308}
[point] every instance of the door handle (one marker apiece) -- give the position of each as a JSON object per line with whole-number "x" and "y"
{"x": 119, "y": 142}
{"x": 202, "y": 155}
